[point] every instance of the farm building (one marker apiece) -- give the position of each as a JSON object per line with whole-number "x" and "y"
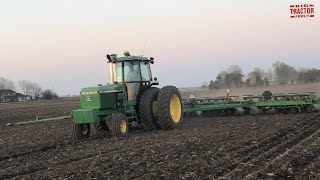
{"x": 8, "y": 95}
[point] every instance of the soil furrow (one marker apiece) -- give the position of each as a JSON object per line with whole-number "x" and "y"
{"x": 295, "y": 159}
{"x": 247, "y": 152}
{"x": 298, "y": 136}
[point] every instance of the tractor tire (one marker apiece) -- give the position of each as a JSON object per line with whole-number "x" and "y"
{"x": 232, "y": 112}
{"x": 81, "y": 131}
{"x": 148, "y": 109}
{"x": 170, "y": 108}
{"x": 246, "y": 111}
{"x": 267, "y": 95}
{"x": 119, "y": 125}
{"x": 237, "y": 112}
{"x": 263, "y": 111}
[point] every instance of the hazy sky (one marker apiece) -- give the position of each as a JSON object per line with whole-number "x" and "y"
{"x": 62, "y": 44}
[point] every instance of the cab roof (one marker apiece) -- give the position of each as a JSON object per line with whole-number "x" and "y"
{"x": 130, "y": 58}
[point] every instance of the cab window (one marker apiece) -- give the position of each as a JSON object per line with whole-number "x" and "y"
{"x": 118, "y": 72}
{"x": 131, "y": 72}
{"x": 145, "y": 71}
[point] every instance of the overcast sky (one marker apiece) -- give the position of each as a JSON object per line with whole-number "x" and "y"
{"x": 62, "y": 44}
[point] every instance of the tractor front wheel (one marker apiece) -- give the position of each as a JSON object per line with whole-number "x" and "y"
{"x": 170, "y": 108}
{"x": 81, "y": 131}
{"x": 119, "y": 125}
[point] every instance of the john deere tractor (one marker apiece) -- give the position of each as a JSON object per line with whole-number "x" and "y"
{"x": 129, "y": 98}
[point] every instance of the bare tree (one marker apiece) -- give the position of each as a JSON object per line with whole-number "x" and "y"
{"x": 234, "y": 77}
{"x": 284, "y": 72}
{"x": 270, "y": 75}
{"x": 256, "y": 77}
{"x": 231, "y": 78}
{"x": 25, "y": 86}
{"x": 6, "y": 84}
{"x": 35, "y": 90}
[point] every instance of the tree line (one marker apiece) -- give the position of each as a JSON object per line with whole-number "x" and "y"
{"x": 281, "y": 73}
{"x": 28, "y": 88}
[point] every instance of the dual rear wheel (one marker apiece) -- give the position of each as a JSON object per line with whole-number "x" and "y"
{"x": 161, "y": 108}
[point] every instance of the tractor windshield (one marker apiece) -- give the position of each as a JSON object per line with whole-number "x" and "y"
{"x": 132, "y": 71}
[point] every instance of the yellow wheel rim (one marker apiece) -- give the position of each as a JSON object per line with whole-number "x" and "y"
{"x": 175, "y": 108}
{"x": 123, "y": 126}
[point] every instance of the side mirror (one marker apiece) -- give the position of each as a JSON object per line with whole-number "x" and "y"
{"x": 151, "y": 60}
{"x": 109, "y": 58}
{"x": 155, "y": 79}
{"x": 112, "y": 58}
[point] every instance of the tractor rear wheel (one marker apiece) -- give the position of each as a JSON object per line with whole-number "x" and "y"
{"x": 148, "y": 109}
{"x": 170, "y": 108}
{"x": 119, "y": 125}
{"x": 81, "y": 131}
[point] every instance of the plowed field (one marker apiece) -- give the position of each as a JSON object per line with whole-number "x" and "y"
{"x": 240, "y": 147}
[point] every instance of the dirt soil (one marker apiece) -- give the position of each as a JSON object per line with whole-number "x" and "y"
{"x": 240, "y": 147}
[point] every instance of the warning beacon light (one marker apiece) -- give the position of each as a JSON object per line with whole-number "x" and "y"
{"x": 126, "y": 53}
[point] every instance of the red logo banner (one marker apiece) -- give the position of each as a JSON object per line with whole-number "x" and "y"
{"x": 302, "y": 11}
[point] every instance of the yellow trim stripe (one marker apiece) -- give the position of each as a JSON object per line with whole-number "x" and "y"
{"x": 97, "y": 92}
{"x": 110, "y": 91}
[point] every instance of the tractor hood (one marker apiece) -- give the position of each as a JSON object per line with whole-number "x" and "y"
{"x": 101, "y": 97}
{"x": 103, "y": 89}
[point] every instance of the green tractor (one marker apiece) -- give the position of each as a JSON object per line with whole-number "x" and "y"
{"x": 129, "y": 98}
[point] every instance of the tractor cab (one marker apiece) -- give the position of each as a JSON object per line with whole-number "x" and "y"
{"x": 134, "y": 71}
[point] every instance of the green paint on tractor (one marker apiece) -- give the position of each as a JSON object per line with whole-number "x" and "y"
{"x": 128, "y": 97}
